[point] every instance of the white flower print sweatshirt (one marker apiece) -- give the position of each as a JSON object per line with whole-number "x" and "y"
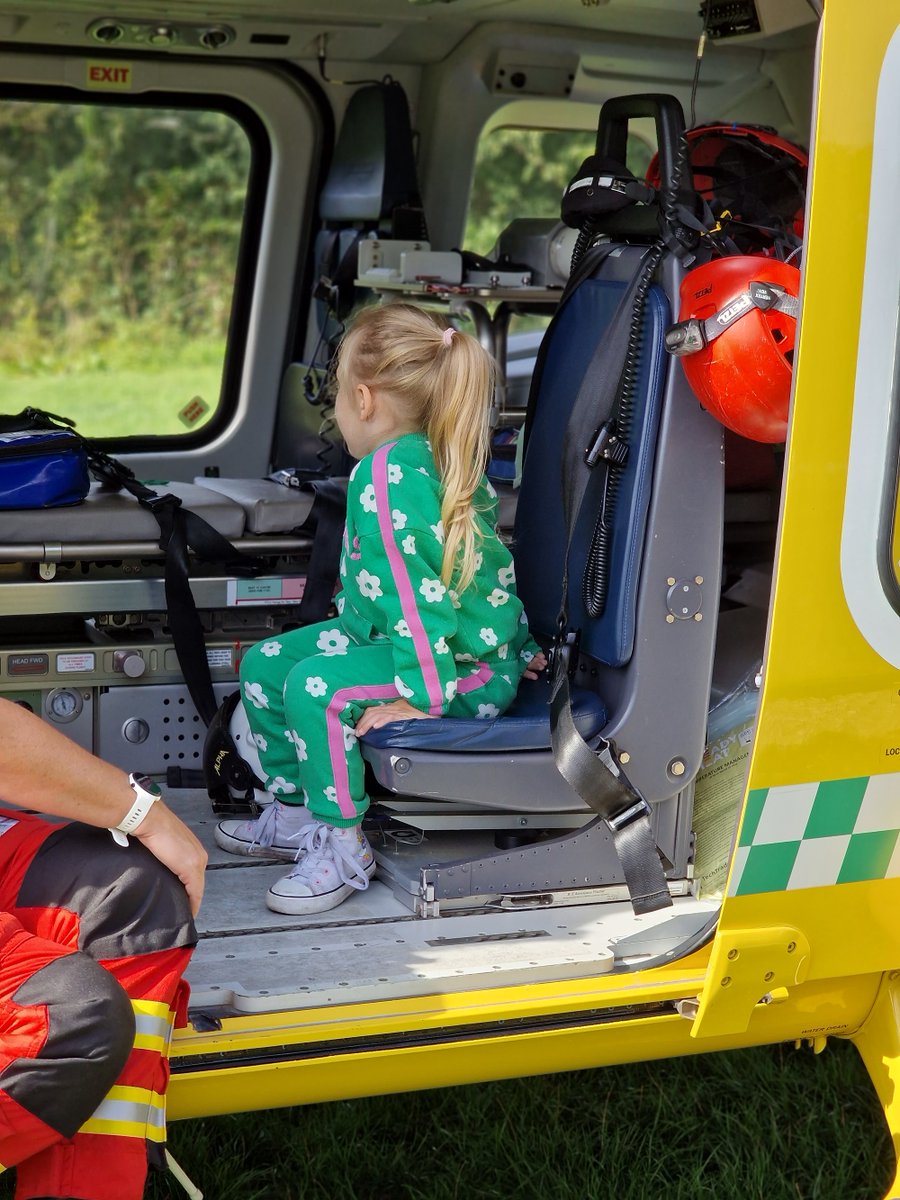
{"x": 392, "y": 588}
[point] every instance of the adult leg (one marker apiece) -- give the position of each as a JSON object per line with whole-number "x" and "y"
{"x": 66, "y": 1031}
{"x": 118, "y": 916}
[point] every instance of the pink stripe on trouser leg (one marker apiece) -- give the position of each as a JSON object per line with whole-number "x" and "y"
{"x": 335, "y": 730}
{"x": 324, "y": 697}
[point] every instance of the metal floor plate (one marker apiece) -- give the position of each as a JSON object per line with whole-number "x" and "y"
{"x": 252, "y": 960}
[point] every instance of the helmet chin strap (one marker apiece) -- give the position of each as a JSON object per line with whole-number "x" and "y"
{"x": 687, "y": 337}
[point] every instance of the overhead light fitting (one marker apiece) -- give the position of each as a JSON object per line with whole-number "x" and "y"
{"x": 109, "y": 31}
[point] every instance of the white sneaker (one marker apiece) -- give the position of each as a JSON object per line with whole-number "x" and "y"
{"x": 275, "y": 833}
{"x": 331, "y": 865}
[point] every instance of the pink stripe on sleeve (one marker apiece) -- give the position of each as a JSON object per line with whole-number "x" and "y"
{"x": 403, "y": 583}
{"x": 469, "y": 683}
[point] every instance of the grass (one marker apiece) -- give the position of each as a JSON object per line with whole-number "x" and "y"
{"x": 125, "y": 390}
{"x": 763, "y": 1124}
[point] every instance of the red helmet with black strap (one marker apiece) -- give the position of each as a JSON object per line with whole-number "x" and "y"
{"x": 735, "y": 337}
{"x": 755, "y": 176}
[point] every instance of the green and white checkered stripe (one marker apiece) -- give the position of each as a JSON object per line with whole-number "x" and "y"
{"x": 816, "y": 834}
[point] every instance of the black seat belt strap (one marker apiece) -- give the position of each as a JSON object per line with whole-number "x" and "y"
{"x": 596, "y": 776}
{"x": 181, "y": 530}
{"x": 595, "y": 403}
{"x": 184, "y": 620}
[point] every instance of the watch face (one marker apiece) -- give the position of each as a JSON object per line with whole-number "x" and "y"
{"x": 146, "y": 784}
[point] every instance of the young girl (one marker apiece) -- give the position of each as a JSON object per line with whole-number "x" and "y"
{"x": 428, "y": 622}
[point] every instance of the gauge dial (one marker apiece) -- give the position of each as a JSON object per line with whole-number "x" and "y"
{"x": 64, "y": 704}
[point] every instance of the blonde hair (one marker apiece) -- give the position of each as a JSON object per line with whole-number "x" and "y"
{"x": 442, "y": 381}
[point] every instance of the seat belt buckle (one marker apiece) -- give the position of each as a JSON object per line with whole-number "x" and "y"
{"x": 565, "y": 650}
{"x": 627, "y": 816}
{"x": 606, "y": 444}
{"x": 166, "y": 500}
{"x": 603, "y": 750}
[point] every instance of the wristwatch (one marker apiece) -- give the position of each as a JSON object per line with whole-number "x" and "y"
{"x": 146, "y": 794}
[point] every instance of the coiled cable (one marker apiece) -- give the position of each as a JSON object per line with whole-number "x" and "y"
{"x": 595, "y": 581}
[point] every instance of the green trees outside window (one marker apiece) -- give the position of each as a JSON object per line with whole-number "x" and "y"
{"x": 119, "y": 237}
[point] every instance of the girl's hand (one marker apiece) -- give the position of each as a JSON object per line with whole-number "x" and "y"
{"x": 384, "y": 714}
{"x": 537, "y": 664}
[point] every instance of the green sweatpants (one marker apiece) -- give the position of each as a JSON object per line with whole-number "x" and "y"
{"x": 304, "y": 691}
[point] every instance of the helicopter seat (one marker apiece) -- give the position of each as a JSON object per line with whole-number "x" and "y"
{"x": 645, "y": 661}
{"x": 643, "y": 665}
{"x": 644, "y": 558}
{"x": 643, "y": 552}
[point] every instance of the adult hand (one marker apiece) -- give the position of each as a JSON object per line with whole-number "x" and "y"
{"x": 169, "y": 839}
{"x": 384, "y": 714}
{"x": 537, "y": 664}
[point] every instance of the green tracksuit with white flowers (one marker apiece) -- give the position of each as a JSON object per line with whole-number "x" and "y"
{"x": 399, "y": 632}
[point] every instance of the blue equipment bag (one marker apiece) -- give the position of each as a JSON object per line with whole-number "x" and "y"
{"x": 42, "y": 465}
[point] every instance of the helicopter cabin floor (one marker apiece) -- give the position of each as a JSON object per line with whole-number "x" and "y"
{"x": 373, "y": 947}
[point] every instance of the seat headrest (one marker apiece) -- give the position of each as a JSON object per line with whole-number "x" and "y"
{"x": 373, "y": 173}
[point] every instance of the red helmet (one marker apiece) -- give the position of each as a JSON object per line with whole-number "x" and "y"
{"x": 735, "y": 337}
{"x": 752, "y": 173}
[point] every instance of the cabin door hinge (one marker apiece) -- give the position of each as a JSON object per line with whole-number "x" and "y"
{"x": 748, "y": 968}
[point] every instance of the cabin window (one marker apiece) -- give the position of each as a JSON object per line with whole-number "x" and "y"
{"x": 121, "y": 231}
{"x": 523, "y": 173}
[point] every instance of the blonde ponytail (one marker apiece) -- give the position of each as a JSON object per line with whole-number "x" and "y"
{"x": 442, "y": 380}
{"x": 459, "y": 431}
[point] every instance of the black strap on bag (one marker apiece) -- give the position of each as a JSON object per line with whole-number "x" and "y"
{"x": 35, "y": 419}
{"x": 593, "y": 771}
{"x": 180, "y": 531}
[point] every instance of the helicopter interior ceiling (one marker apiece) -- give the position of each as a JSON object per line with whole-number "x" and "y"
{"x": 411, "y": 29}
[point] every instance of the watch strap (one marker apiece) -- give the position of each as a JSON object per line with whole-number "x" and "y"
{"x": 144, "y": 800}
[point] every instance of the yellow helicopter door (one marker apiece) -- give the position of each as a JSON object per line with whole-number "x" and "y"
{"x": 814, "y": 886}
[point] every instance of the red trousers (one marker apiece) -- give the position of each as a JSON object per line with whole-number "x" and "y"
{"x": 94, "y": 938}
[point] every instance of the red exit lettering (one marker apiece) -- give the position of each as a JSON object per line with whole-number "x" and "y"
{"x": 114, "y": 76}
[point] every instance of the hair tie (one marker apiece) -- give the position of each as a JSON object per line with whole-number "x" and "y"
{"x": 447, "y": 336}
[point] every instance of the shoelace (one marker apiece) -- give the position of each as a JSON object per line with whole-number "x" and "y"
{"x": 317, "y": 847}
{"x": 266, "y": 822}
{"x": 266, "y": 827}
